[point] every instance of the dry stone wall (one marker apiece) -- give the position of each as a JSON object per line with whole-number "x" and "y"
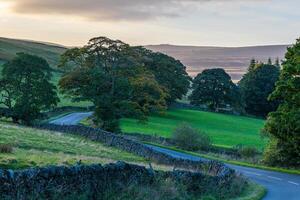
{"x": 211, "y": 167}
{"x": 95, "y": 181}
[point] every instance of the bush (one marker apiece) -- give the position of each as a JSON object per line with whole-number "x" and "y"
{"x": 6, "y": 148}
{"x": 189, "y": 138}
{"x": 247, "y": 152}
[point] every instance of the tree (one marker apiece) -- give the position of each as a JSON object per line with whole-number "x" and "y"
{"x": 277, "y": 63}
{"x": 283, "y": 125}
{"x": 168, "y": 72}
{"x": 255, "y": 86}
{"x": 213, "y": 87}
{"x": 252, "y": 64}
{"x": 110, "y": 74}
{"x": 270, "y": 61}
{"x": 26, "y": 89}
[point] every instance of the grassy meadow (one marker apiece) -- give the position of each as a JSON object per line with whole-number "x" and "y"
{"x": 32, "y": 147}
{"x": 224, "y": 130}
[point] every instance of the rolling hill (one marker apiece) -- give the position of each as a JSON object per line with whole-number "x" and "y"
{"x": 234, "y": 60}
{"x": 9, "y": 48}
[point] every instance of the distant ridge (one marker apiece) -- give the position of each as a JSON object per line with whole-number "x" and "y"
{"x": 234, "y": 60}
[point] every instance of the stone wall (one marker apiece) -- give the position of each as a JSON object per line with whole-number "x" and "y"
{"x": 95, "y": 181}
{"x": 212, "y": 167}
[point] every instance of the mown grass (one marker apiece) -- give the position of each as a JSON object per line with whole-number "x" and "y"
{"x": 32, "y": 147}
{"x": 224, "y": 130}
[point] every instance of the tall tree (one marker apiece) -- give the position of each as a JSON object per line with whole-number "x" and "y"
{"x": 283, "y": 125}
{"x": 255, "y": 86}
{"x": 214, "y": 88}
{"x": 269, "y": 61}
{"x": 26, "y": 89}
{"x": 110, "y": 74}
{"x": 277, "y": 63}
{"x": 252, "y": 64}
{"x": 168, "y": 72}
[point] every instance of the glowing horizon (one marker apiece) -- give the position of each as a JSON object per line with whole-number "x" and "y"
{"x": 199, "y": 23}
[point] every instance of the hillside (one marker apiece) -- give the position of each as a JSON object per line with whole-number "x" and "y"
{"x": 33, "y": 147}
{"x": 234, "y": 59}
{"x": 9, "y": 48}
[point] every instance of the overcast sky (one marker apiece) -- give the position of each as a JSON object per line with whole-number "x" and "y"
{"x": 140, "y": 22}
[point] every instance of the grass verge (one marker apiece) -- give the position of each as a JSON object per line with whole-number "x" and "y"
{"x": 252, "y": 192}
{"x": 245, "y": 164}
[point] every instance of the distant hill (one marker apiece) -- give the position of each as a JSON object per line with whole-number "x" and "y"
{"x": 234, "y": 60}
{"x": 9, "y": 48}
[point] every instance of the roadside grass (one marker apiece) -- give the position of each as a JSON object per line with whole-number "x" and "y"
{"x": 229, "y": 161}
{"x": 252, "y": 192}
{"x": 224, "y": 130}
{"x": 32, "y": 148}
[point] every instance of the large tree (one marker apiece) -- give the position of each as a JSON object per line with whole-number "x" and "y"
{"x": 214, "y": 88}
{"x": 283, "y": 125}
{"x": 169, "y": 72}
{"x": 110, "y": 74}
{"x": 25, "y": 88}
{"x": 255, "y": 86}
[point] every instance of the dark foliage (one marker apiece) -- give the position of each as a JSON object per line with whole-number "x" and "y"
{"x": 26, "y": 89}
{"x": 214, "y": 88}
{"x": 283, "y": 125}
{"x": 255, "y": 88}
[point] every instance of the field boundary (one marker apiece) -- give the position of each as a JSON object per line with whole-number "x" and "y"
{"x": 214, "y": 168}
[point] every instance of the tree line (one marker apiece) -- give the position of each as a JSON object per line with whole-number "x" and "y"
{"x": 126, "y": 81}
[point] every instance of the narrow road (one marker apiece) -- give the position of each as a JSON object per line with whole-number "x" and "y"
{"x": 280, "y": 186}
{"x": 71, "y": 119}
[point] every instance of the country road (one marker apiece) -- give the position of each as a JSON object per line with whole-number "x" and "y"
{"x": 71, "y": 119}
{"x": 280, "y": 186}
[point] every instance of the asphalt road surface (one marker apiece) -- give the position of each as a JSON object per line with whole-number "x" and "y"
{"x": 280, "y": 186}
{"x": 71, "y": 119}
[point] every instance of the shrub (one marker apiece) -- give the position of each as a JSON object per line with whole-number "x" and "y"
{"x": 189, "y": 138}
{"x": 6, "y": 148}
{"x": 247, "y": 152}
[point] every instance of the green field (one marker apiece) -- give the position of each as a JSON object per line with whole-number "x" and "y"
{"x": 32, "y": 147}
{"x": 225, "y": 130}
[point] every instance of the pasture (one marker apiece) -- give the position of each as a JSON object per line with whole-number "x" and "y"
{"x": 22, "y": 147}
{"x": 224, "y": 130}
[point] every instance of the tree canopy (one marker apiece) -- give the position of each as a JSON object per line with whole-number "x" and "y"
{"x": 283, "y": 125}
{"x": 26, "y": 89}
{"x": 111, "y": 74}
{"x": 214, "y": 88}
{"x": 256, "y": 85}
{"x": 169, "y": 73}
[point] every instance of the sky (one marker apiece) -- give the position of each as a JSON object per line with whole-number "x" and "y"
{"x": 142, "y": 22}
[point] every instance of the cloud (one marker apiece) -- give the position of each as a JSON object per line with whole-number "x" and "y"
{"x": 104, "y": 10}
